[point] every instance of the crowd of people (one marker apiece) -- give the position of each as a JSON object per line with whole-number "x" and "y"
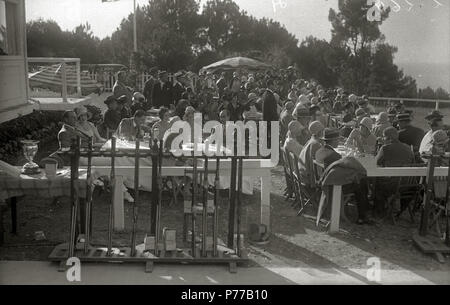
{"x": 314, "y": 120}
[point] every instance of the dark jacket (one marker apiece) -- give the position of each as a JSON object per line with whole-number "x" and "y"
{"x": 162, "y": 96}
{"x": 327, "y": 155}
{"x": 411, "y": 135}
{"x": 344, "y": 171}
{"x": 395, "y": 154}
{"x": 112, "y": 119}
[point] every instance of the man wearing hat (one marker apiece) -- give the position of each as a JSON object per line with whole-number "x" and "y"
{"x": 435, "y": 122}
{"x": 364, "y": 104}
{"x": 362, "y": 137}
{"x": 162, "y": 94}
{"x": 122, "y": 107}
{"x": 392, "y": 154}
{"x": 111, "y": 118}
{"x": 308, "y": 153}
{"x": 177, "y": 87}
{"x": 327, "y": 155}
{"x": 347, "y": 125}
{"x": 303, "y": 116}
{"x": 148, "y": 86}
{"x": 120, "y": 89}
{"x": 408, "y": 133}
{"x": 221, "y": 84}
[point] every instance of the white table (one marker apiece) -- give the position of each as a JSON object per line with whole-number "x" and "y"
{"x": 378, "y": 172}
{"x": 260, "y": 168}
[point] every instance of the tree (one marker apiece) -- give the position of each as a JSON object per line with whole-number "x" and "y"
{"x": 357, "y": 36}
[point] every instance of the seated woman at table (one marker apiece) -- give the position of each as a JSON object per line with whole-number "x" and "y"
{"x": 86, "y": 127}
{"x": 362, "y": 137}
{"x": 160, "y": 127}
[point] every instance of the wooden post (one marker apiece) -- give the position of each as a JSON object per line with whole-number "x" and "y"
{"x": 437, "y": 105}
{"x": 423, "y": 229}
{"x": 232, "y": 206}
{"x": 79, "y": 94}
{"x": 64, "y": 82}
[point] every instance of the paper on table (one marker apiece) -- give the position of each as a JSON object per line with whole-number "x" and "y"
{"x": 9, "y": 169}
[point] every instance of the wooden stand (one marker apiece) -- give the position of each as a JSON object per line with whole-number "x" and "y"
{"x": 158, "y": 252}
{"x": 429, "y": 244}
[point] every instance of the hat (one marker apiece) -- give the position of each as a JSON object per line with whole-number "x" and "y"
{"x": 110, "y": 99}
{"x": 367, "y": 122}
{"x": 301, "y": 112}
{"x": 347, "y": 120}
{"x": 391, "y": 112}
{"x": 403, "y": 117}
{"x": 79, "y": 111}
{"x": 330, "y": 134}
{"x": 360, "y": 112}
{"x": 313, "y": 109}
{"x": 122, "y": 99}
{"x": 162, "y": 72}
{"x": 382, "y": 118}
{"x": 352, "y": 98}
{"x": 137, "y": 96}
{"x": 440, "y": 137}
{"x": 295, "y": 127}
{"x": 179, "y": 73}
{"x": 289, "y": 105}
{"x": 435, "y": 114}
{"x": 252, "y": 97}
{"x": 315, "y": 100}
{"x": 315, "y": 127}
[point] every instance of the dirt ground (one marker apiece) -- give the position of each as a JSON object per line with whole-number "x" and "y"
{"x": 384, "y": 240}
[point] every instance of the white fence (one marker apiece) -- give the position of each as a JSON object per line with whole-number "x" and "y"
{"x": 108, "y": 79}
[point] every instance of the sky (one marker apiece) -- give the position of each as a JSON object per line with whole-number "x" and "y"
{"x": 421, "y": 31}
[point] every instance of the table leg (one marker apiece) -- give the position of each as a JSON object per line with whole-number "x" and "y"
{"x": 335, "y": 208}
{"x": 119, "y": 216}
{"x": 2, "y": 231}
{"x": 265, "y": 200}
{"x": 13, "y": 202}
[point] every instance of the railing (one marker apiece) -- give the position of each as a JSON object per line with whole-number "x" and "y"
{"x": 414, "y": 101}
{"x": 107, "y": 79}
{"x": 63, "y": 62}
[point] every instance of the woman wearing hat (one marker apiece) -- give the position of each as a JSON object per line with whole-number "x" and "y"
{"x": 86, "y": 127}
{"x": 362, "y": 137}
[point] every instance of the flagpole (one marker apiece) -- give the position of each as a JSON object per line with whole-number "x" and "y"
{"x": 134, "y": 26}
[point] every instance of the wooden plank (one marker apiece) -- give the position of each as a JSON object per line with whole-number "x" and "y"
{"x": 335, "y": 208}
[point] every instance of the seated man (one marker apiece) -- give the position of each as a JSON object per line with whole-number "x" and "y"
{"x": 130, "y": 128}
{"x": 292, "y": 143}
{"x": 381, "y": 124}
{"x": 308, "y": 154}
{"x": 327, "y": 155}
{"x": 362, "y": 137}
{"x": 392, "y": 154}
{"x": 409, "y": 134}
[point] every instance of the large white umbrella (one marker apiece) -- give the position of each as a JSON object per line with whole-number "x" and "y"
{"x": 236, "y": 63}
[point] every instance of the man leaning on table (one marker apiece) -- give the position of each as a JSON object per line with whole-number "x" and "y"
{"x": 326, "y": 155}
{"x": 392, "y": 154}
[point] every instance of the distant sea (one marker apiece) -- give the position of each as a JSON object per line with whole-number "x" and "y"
{"x": 426, "y": 74}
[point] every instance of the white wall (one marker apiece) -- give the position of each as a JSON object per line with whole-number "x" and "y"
{"x": 13, "y": 68}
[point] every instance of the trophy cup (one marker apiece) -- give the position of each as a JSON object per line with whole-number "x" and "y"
{"x": 30, "y": 149}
